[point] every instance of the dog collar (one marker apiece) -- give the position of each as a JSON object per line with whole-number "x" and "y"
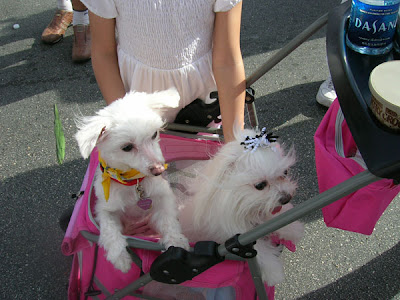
{"x": 130, "y": 177}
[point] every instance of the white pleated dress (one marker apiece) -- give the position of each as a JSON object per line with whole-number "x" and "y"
{"x": 164, "y": 44}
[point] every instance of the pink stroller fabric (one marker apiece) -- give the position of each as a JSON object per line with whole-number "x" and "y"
{"x": 107, "y": 279}
{"x": 337, "y": 159}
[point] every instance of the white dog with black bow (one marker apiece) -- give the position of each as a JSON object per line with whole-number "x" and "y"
{"x": 128, "y": 182}
{"x": 244, "y": 185}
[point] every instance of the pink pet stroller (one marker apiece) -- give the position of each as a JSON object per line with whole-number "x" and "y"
{"x": 93, "y": 277}
{"x": 229, "y": 270}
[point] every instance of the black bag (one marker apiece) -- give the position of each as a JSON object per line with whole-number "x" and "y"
{"x": 198, "y": 113}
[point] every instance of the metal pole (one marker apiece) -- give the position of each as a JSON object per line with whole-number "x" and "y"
{"x": 142, "y": 281}
{"x": 251, "y": 112}
{"x": 257, "y": 279}
{"x": 190, "y": 128}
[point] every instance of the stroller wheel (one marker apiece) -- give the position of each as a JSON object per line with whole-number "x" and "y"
{"x": 65, "y": 217}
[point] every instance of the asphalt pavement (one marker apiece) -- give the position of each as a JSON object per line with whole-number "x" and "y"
{"x": 35, "y": 189}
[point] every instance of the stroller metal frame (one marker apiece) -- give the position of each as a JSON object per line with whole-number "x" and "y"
{"x": 336, "y": 54}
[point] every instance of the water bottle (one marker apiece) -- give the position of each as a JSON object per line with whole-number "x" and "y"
{"x": 396, "y": 43}
{"x": 372, "y": 26}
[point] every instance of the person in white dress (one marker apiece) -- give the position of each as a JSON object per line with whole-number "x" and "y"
{"x": 153, "y": 45}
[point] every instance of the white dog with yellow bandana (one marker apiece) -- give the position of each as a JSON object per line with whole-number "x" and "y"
{"x": 127, "y": 182}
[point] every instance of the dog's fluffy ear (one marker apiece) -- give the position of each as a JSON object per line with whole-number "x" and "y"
{"x": 163, "y": 100}
{"x": 91, "y": 129}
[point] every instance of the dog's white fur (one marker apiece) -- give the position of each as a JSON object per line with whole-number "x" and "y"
{"x": 134, "y": 120}
{"x": 226, "y": 202}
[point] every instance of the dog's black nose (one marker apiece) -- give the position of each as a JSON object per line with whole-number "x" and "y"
{"x": 157, "y": 169}
{"x": 285, "y": 198}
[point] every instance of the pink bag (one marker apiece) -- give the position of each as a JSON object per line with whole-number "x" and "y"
{"x": 337, "y": 159}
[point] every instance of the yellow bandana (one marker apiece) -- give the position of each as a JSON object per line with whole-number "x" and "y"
{"x": 130, "y": 177}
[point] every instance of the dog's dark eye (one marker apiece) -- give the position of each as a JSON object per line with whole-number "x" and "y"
{"x": 128, "y": 147}
{"x": 154, "y": 135}
{"x": 260, "y": 186}
{"x": 284, "y": 176}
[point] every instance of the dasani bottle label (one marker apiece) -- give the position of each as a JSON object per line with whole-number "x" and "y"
{"x": 372, "y": 27}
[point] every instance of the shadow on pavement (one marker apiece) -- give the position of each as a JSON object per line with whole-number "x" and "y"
{"x": 41, "y": 68}
{"x": 378, "y": 279}
{"x": 32, "y": 262}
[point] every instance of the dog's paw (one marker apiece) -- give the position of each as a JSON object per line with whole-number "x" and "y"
{"x": 122, "y": 261}
{"x": 292, "y": 232}
{"x": 117, "y": 254}
{"x": 177, "y": 240}
{"x": 272, "y": 271}
{"x": 273, "y": 278}
{"x": 270, "y": 264}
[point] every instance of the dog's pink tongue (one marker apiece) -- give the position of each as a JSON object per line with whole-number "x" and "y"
{"x": 276, "y": 210}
